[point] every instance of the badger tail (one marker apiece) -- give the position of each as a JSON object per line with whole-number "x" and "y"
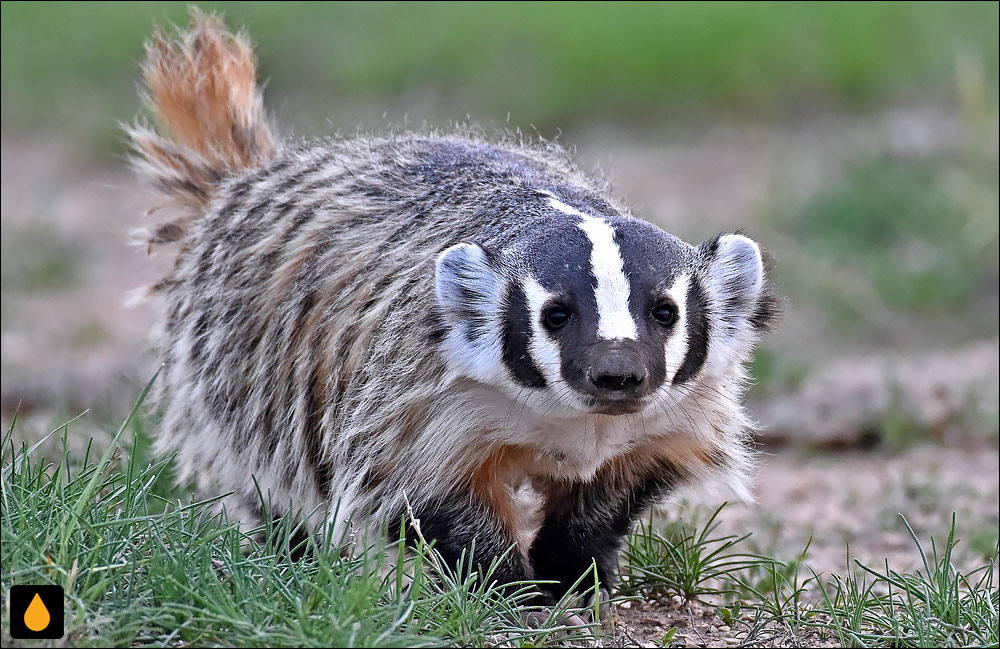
{"x": 209, "y": 123}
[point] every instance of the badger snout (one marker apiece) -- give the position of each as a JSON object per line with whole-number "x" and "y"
{"x": 616, "y": 371}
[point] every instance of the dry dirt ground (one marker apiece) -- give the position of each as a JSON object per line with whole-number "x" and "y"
{"x": 838, "y": 500}
{"x": 69, "y": 343}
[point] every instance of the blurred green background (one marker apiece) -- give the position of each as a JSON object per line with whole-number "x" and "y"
{"x": 552, "y": 65}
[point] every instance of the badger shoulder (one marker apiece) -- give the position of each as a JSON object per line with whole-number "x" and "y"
{"x": 303, "y": 302}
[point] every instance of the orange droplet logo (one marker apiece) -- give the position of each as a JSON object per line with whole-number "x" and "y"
{"x": 36, "y": 617}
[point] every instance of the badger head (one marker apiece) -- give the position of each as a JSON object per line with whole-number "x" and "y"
{"x": 589, "y": 311}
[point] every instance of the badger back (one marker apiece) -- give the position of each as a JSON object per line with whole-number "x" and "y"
{"x": 302, "y": 325}
{"x": 353, "y": 321}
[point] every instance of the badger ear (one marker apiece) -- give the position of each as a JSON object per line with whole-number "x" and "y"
{"x": 469, "y": 293}
{"x": 733, "y": 276}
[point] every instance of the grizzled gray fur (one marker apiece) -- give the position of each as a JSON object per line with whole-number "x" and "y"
{"x": 431, "y": 324}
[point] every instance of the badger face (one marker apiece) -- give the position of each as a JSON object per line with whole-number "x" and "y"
{"x": 598, "y": 313}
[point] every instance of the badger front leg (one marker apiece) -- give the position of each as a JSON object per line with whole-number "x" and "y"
{"x": 467, "y": 523}
{"x": 587, "y": 522}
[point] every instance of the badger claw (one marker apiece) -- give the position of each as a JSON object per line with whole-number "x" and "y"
{"x": 538, "y": 619}
{"x": 604, "y": 605}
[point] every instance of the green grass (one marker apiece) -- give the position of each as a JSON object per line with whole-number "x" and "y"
{"x": 936, "y": 606}
{"x": 678, "y": 559}
{"x": 145, "y": 564}
{"x": 72, "y": 67}
{"x": 140, "y": 567}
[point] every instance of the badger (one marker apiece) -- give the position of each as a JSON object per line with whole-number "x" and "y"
{"x": 427, "y": 325}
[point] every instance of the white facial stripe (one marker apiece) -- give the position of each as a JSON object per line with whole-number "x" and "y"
{"x": 614, "y": 320}
{"x": 544, "y": 351}
{"x": 677, "y": 344}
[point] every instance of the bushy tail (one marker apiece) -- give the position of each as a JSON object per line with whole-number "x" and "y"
{"x": 201, "y": 88}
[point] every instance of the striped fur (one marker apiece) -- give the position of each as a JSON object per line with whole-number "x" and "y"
{"x": 356, "y": 325}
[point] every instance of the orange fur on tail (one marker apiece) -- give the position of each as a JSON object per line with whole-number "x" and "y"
{"x": 202, "y": 90}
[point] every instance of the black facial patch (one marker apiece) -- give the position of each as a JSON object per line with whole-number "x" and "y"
{"x": 560, "y": 259}
{"x": 517, "y": 337}
{"x": 577, "y": 339}
{"x": 698, "y": 332}
{"x": 651, "y": 258}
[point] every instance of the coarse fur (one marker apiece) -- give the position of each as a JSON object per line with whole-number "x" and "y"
{"x": 428, "y": 323}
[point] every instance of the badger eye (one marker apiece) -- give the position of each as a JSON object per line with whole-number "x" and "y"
{"x": 665, "y": 314}
{"x": 555, "y": 318}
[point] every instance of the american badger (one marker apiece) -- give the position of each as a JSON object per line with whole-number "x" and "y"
{"x": 430, "y": 324}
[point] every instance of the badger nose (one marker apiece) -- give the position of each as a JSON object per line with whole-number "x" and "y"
{"x": 617, "y": 370}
